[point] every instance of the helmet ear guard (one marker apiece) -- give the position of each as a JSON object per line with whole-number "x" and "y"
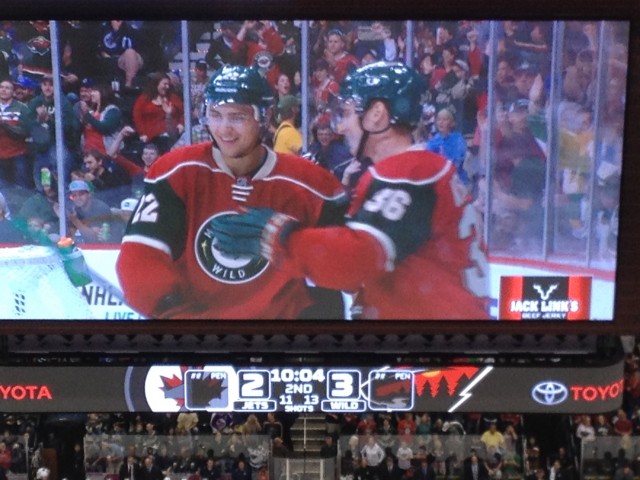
{"x": 399, "y": 86}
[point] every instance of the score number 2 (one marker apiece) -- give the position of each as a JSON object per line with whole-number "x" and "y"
{"x": 254, "y": 384}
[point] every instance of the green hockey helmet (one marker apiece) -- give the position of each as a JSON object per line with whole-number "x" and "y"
{"x": 240, "y": 85}
{"x": 399, "y": 86}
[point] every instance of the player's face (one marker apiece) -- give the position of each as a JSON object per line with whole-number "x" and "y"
{"x": 234, "y": 128}
{"x": 347, "y": 123}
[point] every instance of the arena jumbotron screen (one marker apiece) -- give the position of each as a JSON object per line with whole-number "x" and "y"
{"x": 414, "y": 169}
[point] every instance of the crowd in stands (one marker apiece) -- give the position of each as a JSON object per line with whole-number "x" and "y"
{"x": 120, "y": 97}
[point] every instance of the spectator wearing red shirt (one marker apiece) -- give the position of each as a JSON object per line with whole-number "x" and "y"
{"x": 407, "y": 428}
{"x": 324, "y": 87}
{"x": 367, "y": 425}
{"x": 5, "y": 456}
{"x": 260, "y": 43}
{"x": 623, "y": 426}
{"x": 158, "y": 113}
{"x": 340, "y": 60}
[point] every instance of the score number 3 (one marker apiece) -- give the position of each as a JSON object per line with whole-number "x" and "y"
{"x": 343, "y": 384}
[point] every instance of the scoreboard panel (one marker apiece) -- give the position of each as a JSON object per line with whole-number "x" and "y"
{"x": 301, "y": 389}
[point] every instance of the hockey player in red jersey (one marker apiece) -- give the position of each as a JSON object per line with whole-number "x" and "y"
{"x": 410, "y": 245}
{"x": 169, "y": 265}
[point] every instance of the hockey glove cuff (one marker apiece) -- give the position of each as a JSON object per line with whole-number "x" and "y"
{"x": 260, "y": 231}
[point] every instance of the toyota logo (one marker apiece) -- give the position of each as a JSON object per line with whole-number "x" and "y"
{"x": 549, "y": 393}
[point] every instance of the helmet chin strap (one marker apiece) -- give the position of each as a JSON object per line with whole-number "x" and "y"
{"x": 365, "y": 137}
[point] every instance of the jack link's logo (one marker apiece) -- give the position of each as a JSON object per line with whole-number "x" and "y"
{"x": 222, "y": 267}
{"x": 544, "y": 295}
{"x": 545, "y": 298}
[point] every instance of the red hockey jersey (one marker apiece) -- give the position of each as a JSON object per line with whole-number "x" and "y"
{"x": 410, "y": 246}
{"x": 169, "y": 246}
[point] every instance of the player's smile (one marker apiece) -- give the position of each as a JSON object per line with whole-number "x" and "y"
{"x": 236, "y": 132}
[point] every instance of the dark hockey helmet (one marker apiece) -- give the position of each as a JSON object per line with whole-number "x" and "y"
{"x": 399, "y": 86}
{"x": 241, "y": 85}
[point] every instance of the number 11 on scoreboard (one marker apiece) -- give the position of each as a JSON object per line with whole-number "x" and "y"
{"x": 343, "y": 392}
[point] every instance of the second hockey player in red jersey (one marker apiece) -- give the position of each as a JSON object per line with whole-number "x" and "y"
{"x": 410, "y": 245}
{"x": 169, "y": 264}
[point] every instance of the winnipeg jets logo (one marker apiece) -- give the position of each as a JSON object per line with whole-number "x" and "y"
{"x": 545, "y": 295}
{"x": 220, "y": 266}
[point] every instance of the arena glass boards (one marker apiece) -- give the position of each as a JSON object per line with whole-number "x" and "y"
{"x": 549, "y": 249}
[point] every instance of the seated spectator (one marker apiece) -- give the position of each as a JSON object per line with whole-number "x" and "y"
{"x": 603, "y": 426}
{"x": 211, "y": 470}
{"x": 329, "y": 150}
{"x": 9, "y": 233}
{"x": 407, "y": 428}
{"x": 43, "y": 131}
{"x": 367, "y": 425}
{"x": 556, "y": 472}
{"x": 324, "y": 87}
{"x": 89, "y": 216}
{"x": 18, "y": 458}
{"x": 288, "y": 138}
{"x": 387, "y": 435}
{"x": 449, "y": 143}
{"x": 24, "y": 89}
{"x": 241, "y": 472}
{"x": 340, "y": 61}
{"x": 492, "y": 438}
{"x": 282, "y": 87}
{"x": 220, "y": 50}
{"x": 622, "y": 425}
{"x": 42, "y": 207}
{"x": 279, "y": 449}
{"x": 101, "y": 119}
{"x": 260, "y": 43}
{"x": 118, "y": 50}
{"x": 32, "y": 43}
{"x": 474, "y": 468}
{"x": 495, "y": 463}
{"x": 15, "y": 126}
{"x": 585, "y": 430}
{"x": 329, "y": 449}
{"x": 158, "y": 113}
{"x": 389, "y": 470}
{"x": 111, "y": 183}
{"x": 198, "y": 86}
{"x": 272, "y": 426}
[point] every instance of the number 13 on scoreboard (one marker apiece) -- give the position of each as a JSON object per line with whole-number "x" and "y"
{"x": 343, "y": 392}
